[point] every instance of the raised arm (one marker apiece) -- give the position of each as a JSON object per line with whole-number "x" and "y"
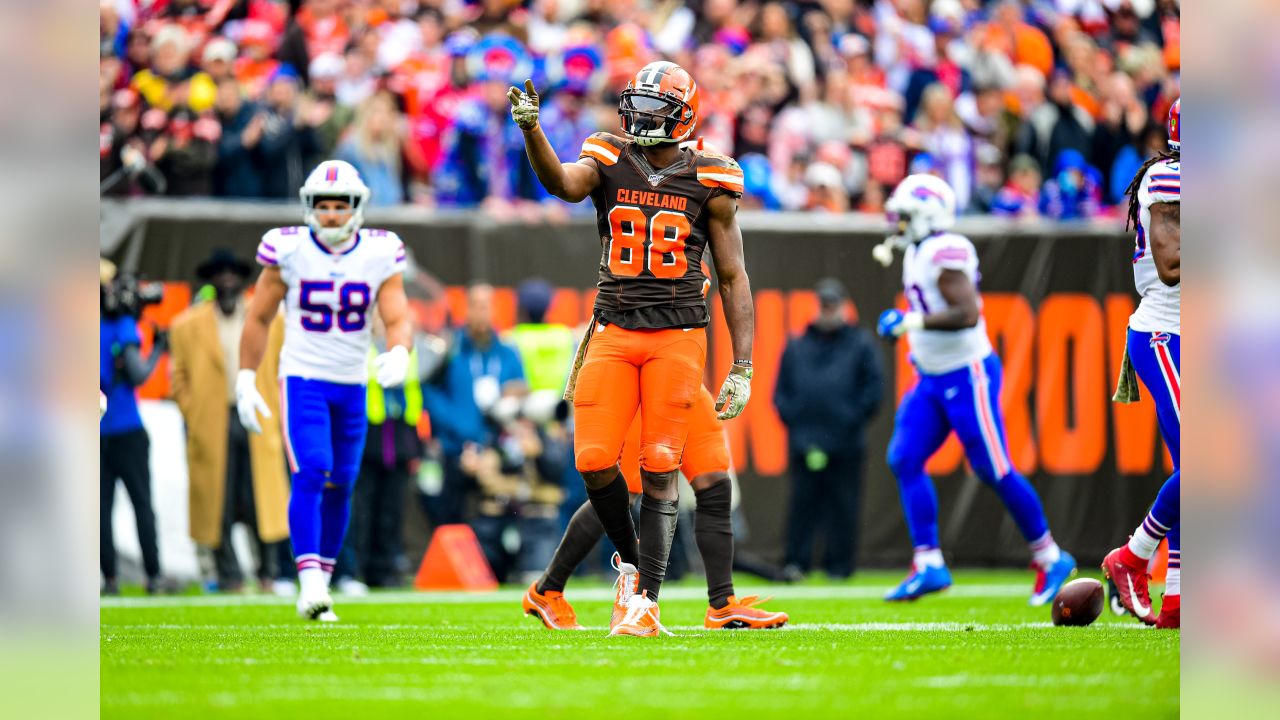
{"x": 571, "y": 182}
{"x": 1166, "y": 241}
{"x": 267, "y": 294}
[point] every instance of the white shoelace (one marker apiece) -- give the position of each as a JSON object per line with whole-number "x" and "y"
{"x": 627, "y": 581}
{"x": 639, "y": 606}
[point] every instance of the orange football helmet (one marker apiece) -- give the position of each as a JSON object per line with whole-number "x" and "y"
{"x": 660, "y": 104}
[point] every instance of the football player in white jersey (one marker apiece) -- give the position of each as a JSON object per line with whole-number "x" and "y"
{"x": 1153, "y": 352}
{"x": 958, "y": 388}
{"x": 331, "y": 274}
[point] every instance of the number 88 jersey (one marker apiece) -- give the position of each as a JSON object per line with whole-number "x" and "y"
{"x": 330, "y": 301}
{"x": 653, "y": 227}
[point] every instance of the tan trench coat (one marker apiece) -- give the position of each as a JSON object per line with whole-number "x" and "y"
{"x": 199, "y": 386}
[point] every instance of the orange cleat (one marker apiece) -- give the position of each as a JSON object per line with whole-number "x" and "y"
{"x": 551, "y": 608}
{"x": 743, "y": 614}
{"x": 1170, "y": 613}
{"x": 641, "y": 618}
{"x": 626, "y": 584}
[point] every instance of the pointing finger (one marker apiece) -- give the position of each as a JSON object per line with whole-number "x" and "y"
{"x": 528, "y": 88}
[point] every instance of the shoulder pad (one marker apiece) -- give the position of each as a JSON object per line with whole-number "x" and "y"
{"x": 950, "y": 251}
{"x": 381, "y": 236}
{"x": 603, "y": 148}
{"x": 1164, "y": 181}
{"x": 279, "y": 243}
{"x": 709, "y": 158}
{"x": 722, "y": 171}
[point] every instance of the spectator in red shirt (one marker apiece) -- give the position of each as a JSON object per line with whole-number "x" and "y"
{"x": 325, "y": 29}
{"x": 256, "y": 65}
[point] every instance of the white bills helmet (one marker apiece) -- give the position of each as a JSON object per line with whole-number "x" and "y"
{"x": 334, "y": 180}
{"x": 920, "y": 206}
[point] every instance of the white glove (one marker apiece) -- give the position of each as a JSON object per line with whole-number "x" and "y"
{"x": 249, "y": 401}
{"x": 883, "y": 253}
{"x": 524, "y": 105}
{"x": 734, "y": 393}
{"x": 391, "y": 366}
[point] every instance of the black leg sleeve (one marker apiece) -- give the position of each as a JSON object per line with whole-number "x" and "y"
{"x": 613, "y": 507}
{"x": 713, "y": 529}
{"x": 583, "y": 533}
{"x": 657, "y": 528}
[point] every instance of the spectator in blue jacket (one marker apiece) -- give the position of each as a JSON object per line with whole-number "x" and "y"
{"x": 829, "y": 387}
{"x": 1075, "y": 190}
{"x": 481, "y": 368}
{"x": 484, "y": 157}
{"x": 289, "y": 140}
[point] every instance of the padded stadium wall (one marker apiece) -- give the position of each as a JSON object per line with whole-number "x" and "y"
{"x": 1057, "y": 299}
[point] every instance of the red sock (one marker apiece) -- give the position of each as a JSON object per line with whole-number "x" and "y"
{"x": 1130, "y": 558}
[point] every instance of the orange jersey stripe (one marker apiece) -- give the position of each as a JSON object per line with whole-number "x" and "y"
{"x": 598, "y": 156}
{"x": 720, "y": 171}
{"x": 726, "y": 182}
{"x": 602, "y": 151}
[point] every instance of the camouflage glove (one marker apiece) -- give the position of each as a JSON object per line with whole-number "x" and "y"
{"x": 524, "y": 105}
{"x": 734, "y": 393}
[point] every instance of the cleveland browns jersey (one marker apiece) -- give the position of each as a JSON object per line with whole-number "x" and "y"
{"x": 653, "y": 227}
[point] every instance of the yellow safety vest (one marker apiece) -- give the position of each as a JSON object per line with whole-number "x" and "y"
{"x": 377, "y": 403}
{"x": 546, "y": 350}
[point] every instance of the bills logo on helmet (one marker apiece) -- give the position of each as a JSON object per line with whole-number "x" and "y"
{"x": 925, "y": 193}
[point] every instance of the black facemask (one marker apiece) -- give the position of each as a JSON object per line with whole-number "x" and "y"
{"x": 643, "y": 114}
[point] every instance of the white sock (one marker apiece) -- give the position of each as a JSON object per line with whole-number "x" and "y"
{"x": 1173, "y": 582}
{"x": 311, "y": 581}
{"x": 926, "y": 557}
{"x": 1044, "y": 551}
{"x": 1144, "y": 542}
{"x": 328, "y": 578}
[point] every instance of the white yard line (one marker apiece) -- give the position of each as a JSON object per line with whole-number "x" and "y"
{"x": 291, "y": 628}
{"x": 594, "y": 594}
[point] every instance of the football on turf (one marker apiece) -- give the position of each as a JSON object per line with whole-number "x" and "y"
{"x": 1079, "y": 602}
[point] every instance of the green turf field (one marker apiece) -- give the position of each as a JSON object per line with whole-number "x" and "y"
{"x": 976, "y": 651}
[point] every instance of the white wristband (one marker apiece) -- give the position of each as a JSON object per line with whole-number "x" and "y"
{"x": 913, "y": 321}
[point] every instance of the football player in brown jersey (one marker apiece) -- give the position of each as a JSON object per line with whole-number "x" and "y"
{"x": 658, "y": 207}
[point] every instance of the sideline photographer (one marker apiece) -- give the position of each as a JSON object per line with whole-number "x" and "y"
{"x": 520, "y": 480}
{"x": 123, "y": 445}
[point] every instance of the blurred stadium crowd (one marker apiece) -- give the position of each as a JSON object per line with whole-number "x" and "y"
{"x": 1031, "y": 107}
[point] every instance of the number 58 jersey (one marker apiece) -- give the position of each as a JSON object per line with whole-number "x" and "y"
{"x": 328, "y": 309}
{"x": 654, "y": 227}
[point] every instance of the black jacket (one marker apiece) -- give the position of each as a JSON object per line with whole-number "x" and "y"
{"x": 239, "y": 169}
{"x": 286, "y": 151}
{"x": 829, "y": 387}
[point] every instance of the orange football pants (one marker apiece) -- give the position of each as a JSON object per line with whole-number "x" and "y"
{"x": 658, "y": 372}
{"x": 706, "y": 450}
